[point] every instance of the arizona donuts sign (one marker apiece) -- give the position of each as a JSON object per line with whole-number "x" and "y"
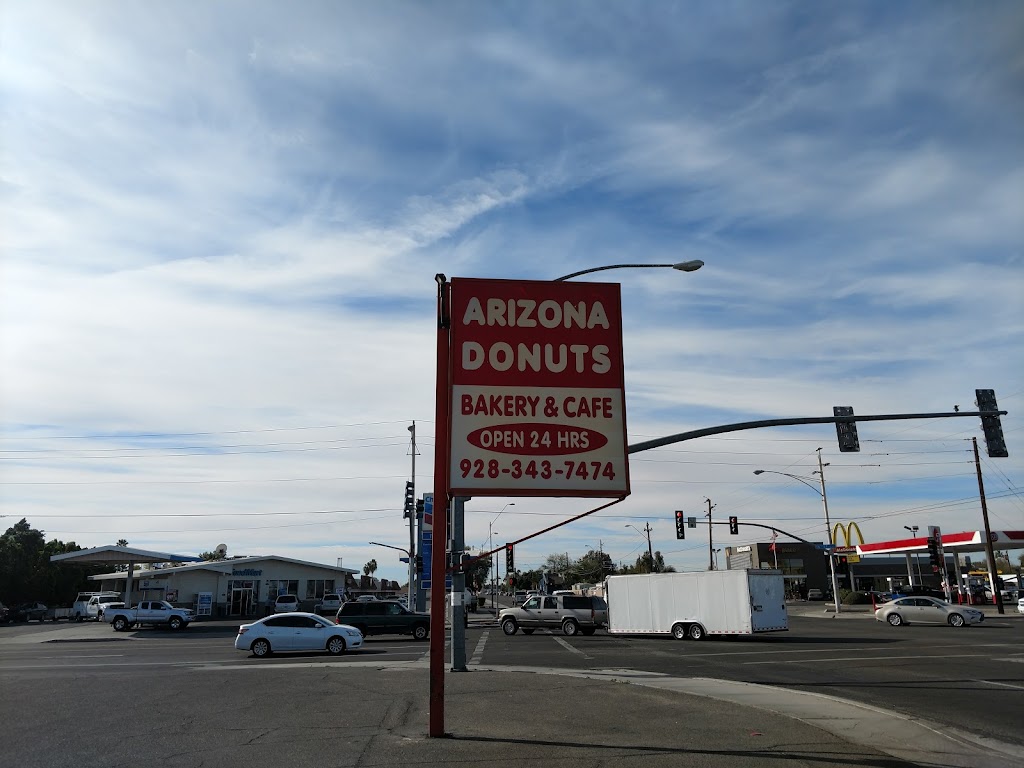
{"x": 537, "y": 402}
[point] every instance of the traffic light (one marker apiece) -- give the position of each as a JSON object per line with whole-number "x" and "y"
{"x": 934, "y": 558}
{"x": 419, "y": 563}
{"x": 734, "y": 525}
{"x": 512, "y": 580}
{"x": 420, "y": 506}
{"x": 841, "y": 561}
{"x": 993, "y": 429}
{"x": 410, "y": 503}
{"x": 680, "y": 524}
{"x": 510, "y": 561}
{"x": 846, "y": 430}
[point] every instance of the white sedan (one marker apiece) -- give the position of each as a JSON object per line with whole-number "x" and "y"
{"x": 927, "y": 610}
{"x": 297, "y": 632}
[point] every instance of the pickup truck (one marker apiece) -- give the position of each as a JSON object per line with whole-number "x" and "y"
{"x": 153, "y": 612}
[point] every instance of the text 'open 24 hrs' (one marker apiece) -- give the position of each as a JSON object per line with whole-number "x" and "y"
{"x": 537, "y": 400}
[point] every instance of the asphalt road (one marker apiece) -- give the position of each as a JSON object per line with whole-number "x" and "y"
{"x": 87, "y": 676}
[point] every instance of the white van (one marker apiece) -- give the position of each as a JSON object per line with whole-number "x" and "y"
{"x": 80, "y": 611}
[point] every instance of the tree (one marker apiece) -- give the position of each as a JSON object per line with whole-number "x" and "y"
{"x": 26, "y": 572}
{"x": 370, "y": 568}
{"x": 478, "y": 573}
{"x": 124, "y": 566}
{"x": 216, "y": 555}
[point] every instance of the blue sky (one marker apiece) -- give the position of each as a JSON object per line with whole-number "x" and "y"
{"x": 222, "y": 223}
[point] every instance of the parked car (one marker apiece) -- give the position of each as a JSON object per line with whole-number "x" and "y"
{"x": 384, "y": 617}
{"x": 570, "y": 613}
{"x": 366, "y": 599}
{"x": 296, "y": 632}
{"x": 30, "y": 612}
{"x": 815, "y": 594}
{"x": 5, "y": 614}
{"x": 1020, "y": 605}
{"x": 927, "y": 610}
{"x": 286, "y": 604}
{"x": 156, "y": 613}
{"x": 328, "y": 605}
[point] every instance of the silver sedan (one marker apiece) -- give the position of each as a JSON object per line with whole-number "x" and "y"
{"x": 296, "y": 631}
{"x": 927, "y": 610}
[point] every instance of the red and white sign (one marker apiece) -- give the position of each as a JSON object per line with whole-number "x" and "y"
{"x": 537, "y": 399}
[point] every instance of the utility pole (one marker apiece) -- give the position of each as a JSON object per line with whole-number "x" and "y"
{"x": 828, "y": 530}
{"x": 711, "y": 544}
{"x": 989, "y": 553}
{"x": 412, "y": 526}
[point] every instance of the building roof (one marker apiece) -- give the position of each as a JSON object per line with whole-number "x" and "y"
{"x": 114, "y": 554}
{"x": 220, "y": 566}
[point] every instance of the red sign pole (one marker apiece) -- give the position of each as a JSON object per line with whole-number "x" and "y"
{"x": 442, "y": 434}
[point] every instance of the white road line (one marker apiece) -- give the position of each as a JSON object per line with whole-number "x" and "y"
{"x": 1004, "y": 685}
{"x": 857, "y": 658}
{"x": 478, "y": 652}
{"x": 568, "y": 647}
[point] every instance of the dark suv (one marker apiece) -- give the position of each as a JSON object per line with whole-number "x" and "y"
{"x": 384, "y": 617}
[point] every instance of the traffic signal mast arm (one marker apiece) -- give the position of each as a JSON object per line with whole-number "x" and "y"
{"x": 742, "y": 425}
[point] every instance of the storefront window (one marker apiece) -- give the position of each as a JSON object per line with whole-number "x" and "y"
{"x": 317, "y": 588}
{"x": 281, "y": 587}
{"x": 792, "y": 566}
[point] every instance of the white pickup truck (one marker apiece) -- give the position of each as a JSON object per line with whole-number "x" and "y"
{"x": 154, "y": 612}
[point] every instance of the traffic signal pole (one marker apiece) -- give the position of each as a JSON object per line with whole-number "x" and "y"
{"x": 989, "y": 552}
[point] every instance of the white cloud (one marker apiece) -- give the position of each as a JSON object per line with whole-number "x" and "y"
{"x": 222, "y": 225}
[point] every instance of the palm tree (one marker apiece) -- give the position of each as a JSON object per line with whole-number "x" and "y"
{"x": 370, "y": 568}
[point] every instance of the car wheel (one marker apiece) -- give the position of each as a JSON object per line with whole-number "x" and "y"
{"x": 509, "y": 626}
{"x": 695, "y": 632}
{"x": 420, "y": 631}
{"x": 894, "y": 619}
{"x": 956, "y": 620}
{"x": 679, "y": 631}
{"x": 336, "y": 646}
{"x": 570, "y": 628}
{"x": 120, "y": 624}
{"x": 175, "y": 623}
{"x": 261, "y": 648}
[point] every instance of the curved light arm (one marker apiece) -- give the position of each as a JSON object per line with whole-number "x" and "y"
{"x": 378, "y": 544}
{"x": 683, "y": 266}
{"x": 795, "y": 477}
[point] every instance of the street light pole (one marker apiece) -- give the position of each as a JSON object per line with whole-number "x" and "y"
{"x": 828, "y": 528}
{"x": 917, "y": 558}
{"x": 683, "y": 266}
{"x": 828, "y": 524}
{"x": 494, "y": 562}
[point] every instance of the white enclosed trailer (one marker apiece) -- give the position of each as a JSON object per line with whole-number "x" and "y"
{"x": 697, "y": 604}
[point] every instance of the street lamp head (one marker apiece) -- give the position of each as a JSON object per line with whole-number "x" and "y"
{"x": 758, "y": 471}
{"x": 688, "y": 266}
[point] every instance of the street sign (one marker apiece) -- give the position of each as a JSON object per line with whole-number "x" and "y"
{"x": 824, "y": 546}
{"x": 537, "y": 399}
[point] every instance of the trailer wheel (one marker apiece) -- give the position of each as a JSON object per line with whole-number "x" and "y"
{"x": 695, "y": 632}
{"x": 679, "y": 631}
